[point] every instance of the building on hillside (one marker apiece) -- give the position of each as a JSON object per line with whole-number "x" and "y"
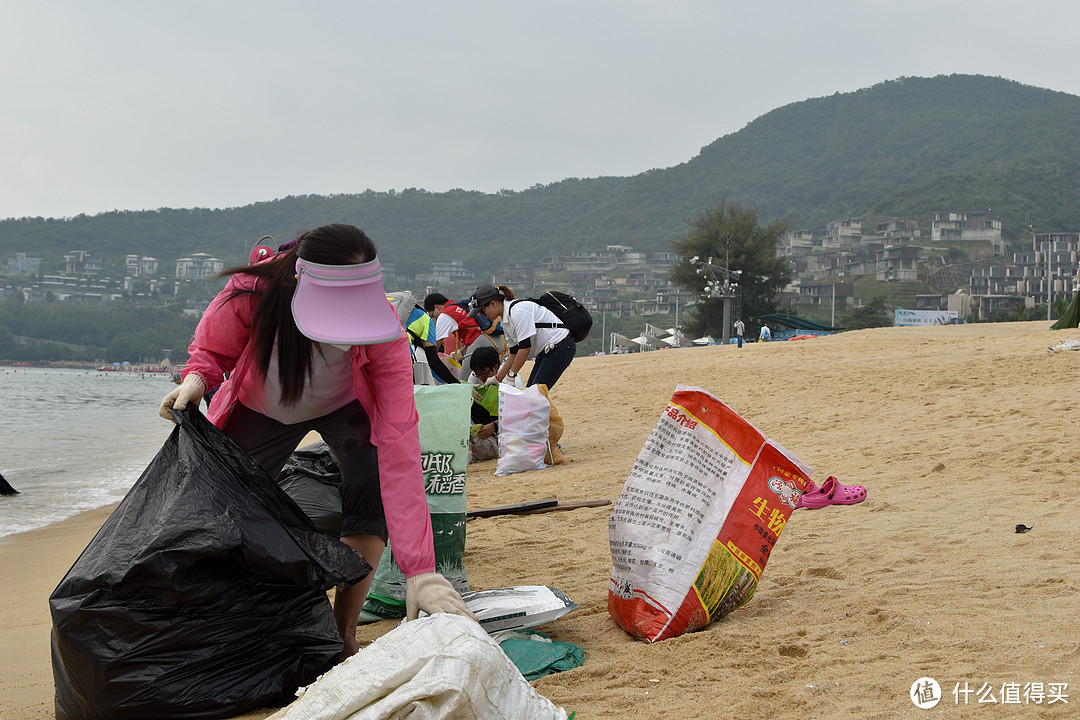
{"x": 799, "y": 268}
{"x": 602, "y": 298}
{"x": 860, "y": 260}
{"x": 34, "y": 294}
{"x": 140, "y": 266}
{"x": 961, "y": 302}
{"x": 826, "y": 263}
{"x": 665, "y": 260}
{"x": 984, "y": 305}
{"x": 591, "y": 261}
{"x": 519, "y": 277}
{"x": 80, "y": 262}
{"x": 156, "y": 285}
{"x": 795, "y": 243}
{"x": 612, "y": 306}
{"x": 583, "y": 285}
{"x": 996, "y": 280}
{"x": 446, "y": 275}
{"x": 19, "y": 265}
{"x": 934, "y": 301}
{"x": 967, "y": 227}
{"x": 625, "y": 255}
{"x": 899, "y": 231}
{"x": 649, "y": 307}
{"x": 392, "y": 280}
{"x": 842, "y": 233}
{"x": 198, "y": 267}
{"x": 840, "y": 295}
{"x": 646, "y": 280}
{"x": 71, "y": 288}
{"x": 898, "y": 263}
{"x": 595, "y": 260}
{"x": 1054, "y": 256}
{"x": 674, "y": 300}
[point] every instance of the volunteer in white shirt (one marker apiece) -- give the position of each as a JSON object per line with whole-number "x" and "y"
{"x": 532, "y": 331}
{"x": 444, "y": 325}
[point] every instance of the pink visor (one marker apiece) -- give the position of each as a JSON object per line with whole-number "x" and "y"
{"x": 343, "y": 304}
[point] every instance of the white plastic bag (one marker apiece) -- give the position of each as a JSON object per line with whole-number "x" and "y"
{"x": 438, "y": 667}
{"x": 523, "y": 429}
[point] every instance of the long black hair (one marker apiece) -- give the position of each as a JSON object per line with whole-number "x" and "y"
{"x": 335, "y": 244}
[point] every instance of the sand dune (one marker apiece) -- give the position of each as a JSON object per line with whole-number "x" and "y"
{"x": 959, "y": 433}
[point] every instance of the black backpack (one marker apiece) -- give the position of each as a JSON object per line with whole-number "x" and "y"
{"x": 574, "y": 316}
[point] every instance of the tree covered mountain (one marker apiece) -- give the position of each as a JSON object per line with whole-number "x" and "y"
{"x": 902, "y": 149}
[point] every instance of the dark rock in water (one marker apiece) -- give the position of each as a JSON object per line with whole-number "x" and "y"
{"x": 6, "y": 489}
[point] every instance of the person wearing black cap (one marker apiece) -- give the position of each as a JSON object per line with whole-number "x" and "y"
{"x": 532, "y": 331}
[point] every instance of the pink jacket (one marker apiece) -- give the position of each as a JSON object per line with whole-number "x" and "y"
{"x": 382, "y": 379}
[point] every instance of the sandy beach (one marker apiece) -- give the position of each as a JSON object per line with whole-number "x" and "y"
{"x": 959, "y": 433}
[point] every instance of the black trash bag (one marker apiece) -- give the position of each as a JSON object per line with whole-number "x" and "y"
{"x": 311, "y": 477}
{"x": 202, "y": 596}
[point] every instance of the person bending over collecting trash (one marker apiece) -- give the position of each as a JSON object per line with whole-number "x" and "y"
{"x": 420, "y": 327}
{"x": 483, "y": 441}
{"x": 531, "y": 331}
{"x": 313, "y": 344}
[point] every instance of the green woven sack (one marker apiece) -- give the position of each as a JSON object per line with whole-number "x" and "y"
{"x": 444, "y": 444}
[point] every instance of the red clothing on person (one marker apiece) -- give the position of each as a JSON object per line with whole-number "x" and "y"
{"x": 467, "y": 329}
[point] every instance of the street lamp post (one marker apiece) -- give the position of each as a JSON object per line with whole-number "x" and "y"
{"x": 603, "y": 331}
{"x": 720, "y": 282}
{"x": 1049, "y": 273}
{"x": 832, "y": 317}
{"x": 725, "y": 336}
{"x": 678, "y": 331}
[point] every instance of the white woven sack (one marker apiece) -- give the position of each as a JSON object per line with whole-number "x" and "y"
{"x": 435, "y": 668}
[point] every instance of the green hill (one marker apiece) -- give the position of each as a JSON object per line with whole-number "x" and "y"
{"x": 902, "y": 149}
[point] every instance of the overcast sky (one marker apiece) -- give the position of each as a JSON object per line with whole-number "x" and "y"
{"x": 131, "y": 105}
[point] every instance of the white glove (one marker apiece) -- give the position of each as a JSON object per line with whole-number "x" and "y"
{"x": 492, "y": 381}
{"x": 190, "y": 391}
{"x": 432, "y": 593}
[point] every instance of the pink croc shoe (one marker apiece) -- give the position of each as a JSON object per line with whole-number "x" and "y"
{"x": 831, "y": 492}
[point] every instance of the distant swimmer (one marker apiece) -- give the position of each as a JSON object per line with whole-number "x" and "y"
{"x": 6, "y": 489}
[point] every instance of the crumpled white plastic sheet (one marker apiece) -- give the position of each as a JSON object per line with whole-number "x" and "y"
{"x": 439, "y": 667}
{"x": 1069, "y": 344}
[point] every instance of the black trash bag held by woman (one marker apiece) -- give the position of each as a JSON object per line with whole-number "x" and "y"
{"x": 202, "y": 596}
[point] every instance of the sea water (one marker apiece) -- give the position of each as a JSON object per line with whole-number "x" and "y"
{"x": 73, "y": 440}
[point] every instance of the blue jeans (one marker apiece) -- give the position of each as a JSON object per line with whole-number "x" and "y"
{"x": 549, "y": 366}
{"x": 740, "y": 340}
